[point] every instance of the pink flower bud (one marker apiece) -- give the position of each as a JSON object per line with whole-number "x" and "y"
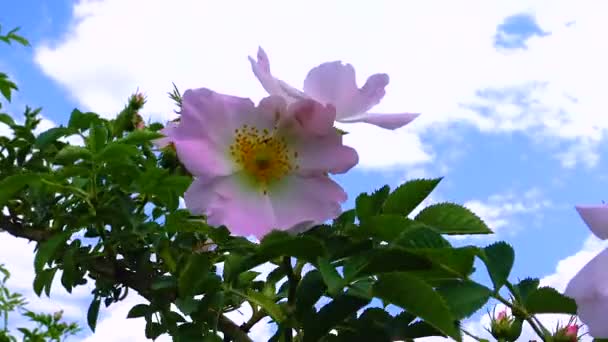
{"x": 572, "y": 330}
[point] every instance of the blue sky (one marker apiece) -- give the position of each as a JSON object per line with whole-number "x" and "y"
{"x": 510, "y": 111}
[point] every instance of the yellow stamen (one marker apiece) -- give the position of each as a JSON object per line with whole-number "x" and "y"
{"x": 263, "y": 155}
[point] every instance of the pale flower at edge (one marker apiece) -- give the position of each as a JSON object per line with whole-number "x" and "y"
{"x": 589, "y": 287}
{"x": 167, "y": 131}
{"x": 335, "y": 83}
{"x": 260, "y": 168}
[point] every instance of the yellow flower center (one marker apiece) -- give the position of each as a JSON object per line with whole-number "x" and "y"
{"x": 262, "y": 155}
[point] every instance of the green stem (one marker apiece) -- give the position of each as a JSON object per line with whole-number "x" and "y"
{"x": 255, "y": 318}
{"x": 545, "y": 331}
{"x": 471, "y": 335}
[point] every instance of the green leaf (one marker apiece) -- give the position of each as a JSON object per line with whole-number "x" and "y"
{"x": 187, "y": 305}
{"x": 6, "y": 86}
{"x": 464, "y": 297}
{"x": 386, "y": 260}
{"x": 450, "y": 218}
{"x": 409, "y": 195}
{"x": 279, "y": 243}
{"x": 448, "y": 263}
{"x": 153, "y": 330}
{"x": 548, "y": 300}
{"x": 361, "y": 288}
{"x": 525, "y": 287}
{"x": 190, "y": 277}
{"x": 309, "y": 290}
{"x": 44, "y": 281}
{"x": 139, "y": 310}
{"x": 499, "y": 258}
{"x": 163, "y": 282}
{"x": 418, "y": 298}
{"x": 70, "y": 154}
{"x": 404, "y": 331}
{"x": 138, "y": 137}
{"x": 369, "y": 205}
{"x": 81, "y": 121}
{"x": 50, "y": 136}
{"x": 69, "y": 269}
{"x": 47, "y": 249}
{"x": 7, "y": 119}
{"x": 385, "y": 227}
{"x": 419, "y": 235}
{"x": 11, "y": 185}
{"x": 116, "y": 151}
{"x": 331, "y": 315}
{"x": 98, "y": 135}
{"x": 93, "y": 313}
{"x": 272, "y": 308}
{"x": 330, "y": 275}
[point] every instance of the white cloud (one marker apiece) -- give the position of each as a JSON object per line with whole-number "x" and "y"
{"x": 437, "y": 59}
{"x": 379, "y": 148}
{"x": 500, "y": 209}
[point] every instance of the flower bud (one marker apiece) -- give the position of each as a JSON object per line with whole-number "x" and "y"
{"x": 567, "y": 333}
{"x": 57, "y": 315}
{"x": 505, "y": 327}
{"x": 138, "y": 100}
{"x": 138, "y": 122}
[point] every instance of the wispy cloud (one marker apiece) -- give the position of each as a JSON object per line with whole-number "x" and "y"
{"x": 500, "y": 211}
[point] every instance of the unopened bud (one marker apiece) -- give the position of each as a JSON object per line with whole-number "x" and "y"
{"x": 568, "y": 333}
{"x": 505, "y": 327}
{"x": 57, "y": 315}
{"x": 138, "y": 122}
{"x": 138, "y": 100}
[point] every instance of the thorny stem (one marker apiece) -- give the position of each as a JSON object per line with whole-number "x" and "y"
{"x": 255, "y": 318}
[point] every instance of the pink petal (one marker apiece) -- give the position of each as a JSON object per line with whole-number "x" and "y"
{"x": 168, "y": 132}
{"x": 274, "y": 86}
{"x": 388, "y": 121}
{"x": 272, "y": 108}
{"x": 311, "y": 117}
{"x": 593, "y": 314}
{"x": 596, "y": 217}
{"x": 314, "y": 199}
{"x": 335, "y": 83}
{"x": 589, "y": 288}
{"x": 209, "y": 115}
{"x": 202, "y": 158}
{"x": 325, "y": 155}
{"x": 226, "y": 201}
{"x": 245, "y": 211}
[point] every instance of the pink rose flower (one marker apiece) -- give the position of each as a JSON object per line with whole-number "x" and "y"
{"x": 260, "y": 168}
{"x": 335, "y": 83}
{"x": 589, "y": 287}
